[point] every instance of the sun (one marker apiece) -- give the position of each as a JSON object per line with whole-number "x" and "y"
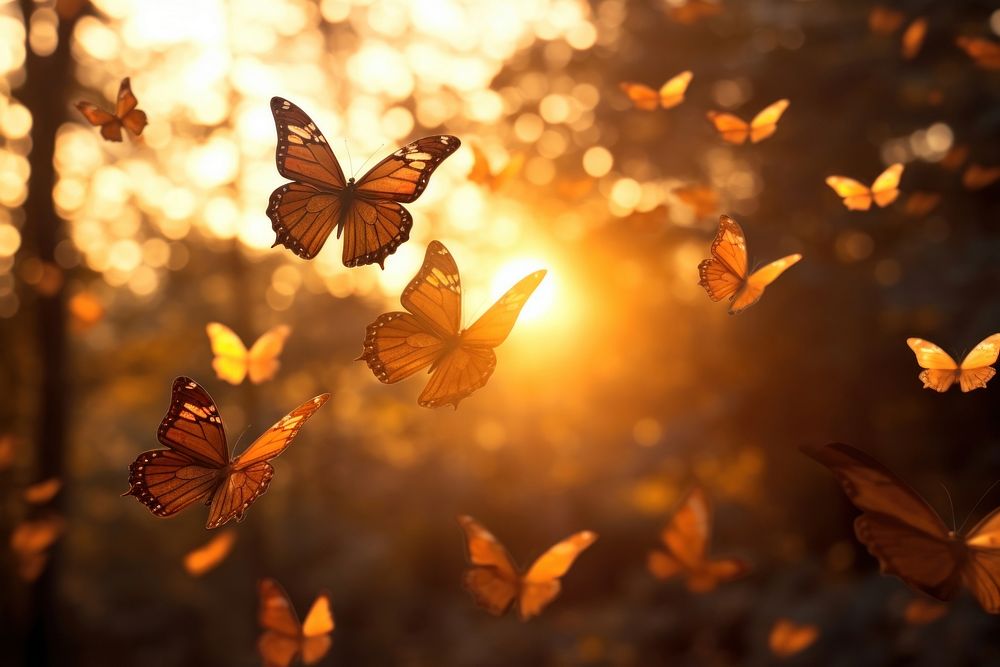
{"x": 539, "y": 306}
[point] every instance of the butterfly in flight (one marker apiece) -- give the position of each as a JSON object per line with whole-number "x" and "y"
{"x": 735, "y": 130}
{"x": 208, "y": 556}
{"x": 284, "y": 637}
{"x": 233, "y": 361}
{"x": 483, "y": 174}
{"x": 196, "y": 464}
{"x": 685, "y": 540}
{"x": 788, "y": 637}
{"x": 126, "y": 115}
{"x": 941, "y": 371}
{"x": 725, "y": 273}
{"x": 399, "y": 344}
{"x": 859, "y": 197}
{"x": 368, "y": 212}
{"x": 495, "y": 582}
{"x": 668, "y": 96}
{"x": 908, "y": 537}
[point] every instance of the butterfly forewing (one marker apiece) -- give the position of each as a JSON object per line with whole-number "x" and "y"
{"x": 496, "y": 323}
{"x": 492, "y": 579}
{"x": 262, "y": 359}
{"x": 303, "y": 153}
{"x": 765, "y": 123}
{"x": 435, "y": 293}
{"x": 404, "y": 175}
{"x": 725, "y": 272}
{"x": 277, "y": 438}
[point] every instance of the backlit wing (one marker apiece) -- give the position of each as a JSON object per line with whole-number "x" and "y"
{"x": 726, "y": 271}
{"x": 111, "y": 127}
{"x": 279, "y": 643}
{"x": 263, "y": 357}
{"x": 230, "y": 362}
{"x": 303, "y": 217}
{"x": 434, "y": 295}
{"x": 199, "y": 561}
{"x": 885, "y": 189}
{"x": 403, "y": 176}
{"x": 303, "y": 153}
{"x": 492, "y": 580}
{"x": 857, "y": 196}
{"x": 277, "y": 438}
{"x": 458, "y": 374}
{"x": 982, "y": 355}
{"x": 765, "y": 123}
{"x": 672, "y": 92}
{"x": 495, "y": 324}
{"x": 397, "y": 345}
{"x": 788, "y": 638}
{"x": 192, "y": 425}
{"x": 687, "y": 532}
{"x": 540, "y": 584}
{"x": 236, "y": 492}
{"x": 731, "y": 128}
{"x": 754, "y": 287}
{"x": 642, "y": 96}
{"x": 942, "y": 371}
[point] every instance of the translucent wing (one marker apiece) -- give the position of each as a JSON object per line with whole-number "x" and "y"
{"x": 981, "y": 575}
{"x": 303, "y": 153}
{"x": 230, "y": 362}
{"x": 42, "y": 492}
{"x": 788, "y": 638}
{"x": 403, "y": 176}
{"x": 277, "y": 438}
{"x": 276, "y": 612}
{"x": 885, "y": 189}
{"x": 941, "y": 370}
{"x": 687, "y": 532}
{"x": 754, "y": 286}
{"x": 541, "y": 582}
{"x": 459, "y": 373}
{"x": 434, "y": 295}
{"x": 480, "y": 172}
{"x": 672, "y": 92}
{"x": 642, "y": 96}
{"x": 496, "y": 323}
{"x": 765, "y": 123}
{"x": 857, "y": 196}
{"x": 263, "y": 360}
{"x": 731, "y": 128}
{"x": 492, "y": 580}
{"x": 236, "y": 492}
{"x": 111, "y": 127}
{"x": 726, "y": 271}
{"x": 712, "y": 573}
{"x": 984, "y": 354}
{"x": 192, "y": 425}
{"x": 319, "y": 620}
{"x": 208, "y": 556}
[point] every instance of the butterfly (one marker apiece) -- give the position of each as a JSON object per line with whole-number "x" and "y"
{"x": 208, "y": 556}
{"x": 735, "y": 130}
{"x": 368, "y": 212}
{"x": 908, "y": 537}
{"x": 913, "y": 38}
{"x": 284, "y": 637}
{"x": 859, "y": 197}
{"x": 399, "y": 344}
{"x": 668, "y": 96}
{"x": 984, "y": 52}
{"x": 977, "y": 177}
{"x": 43, "y": 492}
{"x": 941, "y": 371}
{"x": 482, "y": 174}
{"x": 788, "y": 637}
{"x": 884, "y": 21}
{"x": 685, "y": 540}
{"x": 703, "y": 199}
{"x": 495, "y": 582}
{"x": 196, "y": 464}
{"x": 725, "y": 273}
{"x": 126, "y": 115}
{"x": 30, "y": 543}
{"x": 233, "y": 362}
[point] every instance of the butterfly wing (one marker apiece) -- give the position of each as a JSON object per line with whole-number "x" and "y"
{"x": 732, "y": 129}
{"x": 166, "y": 481}
{"x": 976, "y": 369}
{"x": 754, "y": 286}
{"x": 857, "y": 196}
{"x": 885, "y": 189}
{"x": 434, "y": 295}
{"x": 540, "y": 584}
{"x": 941, "y": 370}
{"x": 277, "y": 438}
{"x": 263, "y": 361}
{"x": 642, "y": 96}
{"x": 496, "y": 323}
{"x": 788, "y": 638}
{"x": 726, "y": 271}
{"x": 373, "y": 230}
{"x": 279, "y": 643}
{"x": 765, "y": 123}
{"x": 492, "y": 579}
{"x": 206, "y": 557}
{"x": 404, "y": 175}
{"x": 133, "y": 119}
{"x": 985, "y": 53}
{"x": 192, "y": 425}
{"x": 230, "y": 362}
{"x": 111, "y": 127}
{"x": 672, "y": 92}
{"x": 316, "y": 630}
{"x": 913, "y": 38}
{"x": 898, "y": 526}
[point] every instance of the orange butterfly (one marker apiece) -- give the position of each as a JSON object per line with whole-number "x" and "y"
{"x": 126, "y": 115}
{"x": 859, "y": 197}
{"x": 913, "y": 38}
{"x": 482, "y": 174}
{"x": 399, "y": 344}
{"x": 233, "y": 361}
{"x": 735, "y": 130}
{"x": 942, "y": 371}
{"x": 42, "y": 492}
{"x": 788, "y": 637}
{"x": 908, "y": 537}
{"x": 984, "y": 52}
{"x": 685, "y": 538}
{"x": 921, "y": 611}
{"x": 725, "y": 273}
{"x": 495, "y": 582}
{"x": 284, "y": 637}
{"x": 368, "y": 212}
{"x": 977, "y": 177}
{"x": 208, "y": 556}
{"x": 197, "y": 465}
{"x": 668, "y": 96}
{"x": 884, "y": 21}
{"x": 702, "y": 199}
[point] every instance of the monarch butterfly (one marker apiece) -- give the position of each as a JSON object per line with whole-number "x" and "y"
{"x": 233, "y": 361}
{"x": 208, "y": 556}
{"x": 399, "y": 344}
{"x": 941, "y": 371}
{"x": 126, "y": 115}
{"x": 859, "y": 197}
{"x": 685, "y": 539}
{"x": 735, "y": 130}
{"x": 908, "y": 537}
{"x": 482, "y": 174}
{"x": 984, "y": 53}
{"x": 368, "y": 212}
{"x": 284, "y": 637}
{"x": 495, "y": 582}
{"x": 668, "y": 96}
{"x": 788, "y": 637}
{"x": 725, "y": 273}
{"x": 196, "y": 464}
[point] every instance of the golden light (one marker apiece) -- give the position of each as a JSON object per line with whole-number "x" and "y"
{"x": 541, "y": 304}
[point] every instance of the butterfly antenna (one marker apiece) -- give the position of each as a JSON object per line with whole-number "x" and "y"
{"x": 235, "y": 444}
{"x": 349, "y": 161}
{"x": 974, "y": 507}
{"x": 369, "y": 158}
{"x": 951, "y": 505}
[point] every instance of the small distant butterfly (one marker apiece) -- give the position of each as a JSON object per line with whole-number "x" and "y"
{"x": 735, "y": 130}
{"x": 208, "y": 556}
{"x": 430, "y": 334}
{"x": 942, "y": 371}
{"x": 685, "y": 540}
{"x": 196, "y": 464}
{"x": 921, "y": 611}
{"x": 884, "y": 21}
{"x": 126, "y": 115}
{"x": 233, "y": 361}
{"x": 284, "y": 637}
{"x": 702, "y": 199}
{"x": 483, "y": 174}
{"x": 913, "y": 38}
{"x": 788, "y": 637}
{"x": 368, "y": 212}
{"x": 495, "y": 582}
{"x": 977, "y": 177}
{"x": 31, "y": 541}
{"x": 985, "y": 53}
{"x": 43, "y": 492}
{"x": 725, "y": 274}
{"x": 693, "y": 11}
{"x": 668, "y": 96}
{"x": 908, "y": 537}
{"x": 859, "y": 197}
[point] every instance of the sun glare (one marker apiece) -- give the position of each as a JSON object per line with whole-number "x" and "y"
{"x": 539, "y": 307}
